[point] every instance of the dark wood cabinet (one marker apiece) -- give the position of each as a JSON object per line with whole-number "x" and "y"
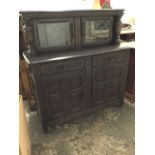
{"x": 91, "y": 75}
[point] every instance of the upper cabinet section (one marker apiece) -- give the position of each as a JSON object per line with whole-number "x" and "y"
{"x": 60, "y": 31}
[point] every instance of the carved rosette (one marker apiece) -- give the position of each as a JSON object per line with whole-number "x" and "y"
{"x": 118, "y": 24}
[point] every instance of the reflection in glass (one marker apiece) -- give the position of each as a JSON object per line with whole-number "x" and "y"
{"x": 97, "y": 30}
{"x": 54, "y": 34}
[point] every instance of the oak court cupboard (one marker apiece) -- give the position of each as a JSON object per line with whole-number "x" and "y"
{"x": 76, "y": 61}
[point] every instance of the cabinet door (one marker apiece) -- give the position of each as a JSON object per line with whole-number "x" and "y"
{"x": 107, "y": 83}
{"x": 54, "y": 34}
{"x": 97, "y": 30}
{"x": 65, "y": 93}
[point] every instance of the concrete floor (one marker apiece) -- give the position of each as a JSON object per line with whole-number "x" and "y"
{"x": 106, "y": 132}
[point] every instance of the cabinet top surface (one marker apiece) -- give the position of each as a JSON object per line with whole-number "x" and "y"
{"x": 79, "y": 11}
{"x": 40, "y": 14}
{"x": 43, "y": 58}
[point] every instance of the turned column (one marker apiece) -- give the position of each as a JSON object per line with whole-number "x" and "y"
{"x": 117, "y": 30}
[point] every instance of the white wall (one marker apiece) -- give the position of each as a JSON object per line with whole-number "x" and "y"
{"x": 69, "y": 4}
{"x": 129, "y": 6}
{"x": 55, "y": 4}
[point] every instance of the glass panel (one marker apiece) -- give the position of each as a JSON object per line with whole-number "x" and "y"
{"x": 54, "y": 34}
{"x": 97, "y": 30}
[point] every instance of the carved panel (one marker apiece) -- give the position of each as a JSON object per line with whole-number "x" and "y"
{"x": 108, "y": 58}
{"x": 64, "y": 93}
{"x": 107, "y": 82}
{"x": 106, "y": 92}
{"x": 107, "y": 74}
{"x": 62, "y": 66}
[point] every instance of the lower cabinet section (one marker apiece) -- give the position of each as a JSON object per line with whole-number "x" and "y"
{"x": 69, "y": 88}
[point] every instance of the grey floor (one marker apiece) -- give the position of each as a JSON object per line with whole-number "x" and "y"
{"x": 105, "y": 132}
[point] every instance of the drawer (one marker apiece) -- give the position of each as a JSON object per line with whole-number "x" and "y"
{"x": 61, "y": 66}
{"x": 108, "y": 58}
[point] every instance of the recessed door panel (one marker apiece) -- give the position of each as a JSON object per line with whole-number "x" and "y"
{"x": 105, "y": 74}
{"x": 77, "y": 101}
{"x": 106, "y": 83}
{"x": 106, "y": 92}
{"x": 55, "y": 107}
{"x": 65, "y": 93}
